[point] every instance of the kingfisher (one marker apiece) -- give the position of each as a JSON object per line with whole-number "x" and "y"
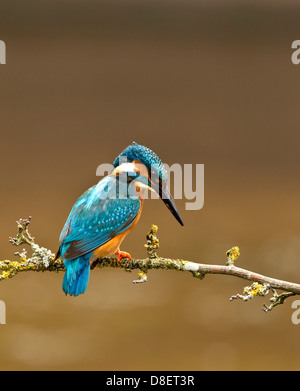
{"x": 103, "y": 215}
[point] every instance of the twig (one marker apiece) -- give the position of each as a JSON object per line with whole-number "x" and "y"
{"x": 44, "y": 260}
{"x": 277, "y": 299}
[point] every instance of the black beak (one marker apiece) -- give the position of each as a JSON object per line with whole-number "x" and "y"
{"x": 169, "y": 201}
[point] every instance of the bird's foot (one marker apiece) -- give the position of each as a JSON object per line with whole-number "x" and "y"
{"x": 122, "y": 254}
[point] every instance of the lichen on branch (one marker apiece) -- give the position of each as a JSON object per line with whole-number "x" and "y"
{"x": 43, "y": 259}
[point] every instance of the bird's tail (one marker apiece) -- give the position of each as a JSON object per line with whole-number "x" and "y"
{"x": 76, "y": 276}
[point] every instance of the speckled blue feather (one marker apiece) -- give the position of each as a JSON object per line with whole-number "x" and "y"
{"x": 97, "y": 216}
{"x": 145, "y": 156}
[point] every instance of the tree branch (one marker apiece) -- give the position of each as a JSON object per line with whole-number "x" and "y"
{"x": 43, "y": 259}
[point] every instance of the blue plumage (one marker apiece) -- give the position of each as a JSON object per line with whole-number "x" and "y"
{"x": 94, "y": 219}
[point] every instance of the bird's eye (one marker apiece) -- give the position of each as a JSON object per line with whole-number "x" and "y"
{"x": 132, "y": 175}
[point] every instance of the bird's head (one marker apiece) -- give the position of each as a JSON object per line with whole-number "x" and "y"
{"x": 143, "y": 166}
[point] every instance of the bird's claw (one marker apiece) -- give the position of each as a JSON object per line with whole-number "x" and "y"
{"x": 122, "y": 254}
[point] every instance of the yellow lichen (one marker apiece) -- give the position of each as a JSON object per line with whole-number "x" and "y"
{"x": 142, "y": 274}
{"x": 5, "y": 275}
{"x": 232, "y": 255}
{"x": 15, "y": 264}
{"x": 154, "y": 228}
{"x": 255, "y": 289}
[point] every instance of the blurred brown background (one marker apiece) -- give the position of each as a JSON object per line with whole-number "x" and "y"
{"x": 197, "y": 82}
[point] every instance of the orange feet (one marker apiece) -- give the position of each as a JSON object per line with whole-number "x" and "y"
{"x": 122, "y": 254}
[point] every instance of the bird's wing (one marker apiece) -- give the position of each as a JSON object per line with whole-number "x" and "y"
{"x": 96, "y": 218}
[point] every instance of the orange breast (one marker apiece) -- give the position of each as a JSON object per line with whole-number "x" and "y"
{"x": 112, "y": 246}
